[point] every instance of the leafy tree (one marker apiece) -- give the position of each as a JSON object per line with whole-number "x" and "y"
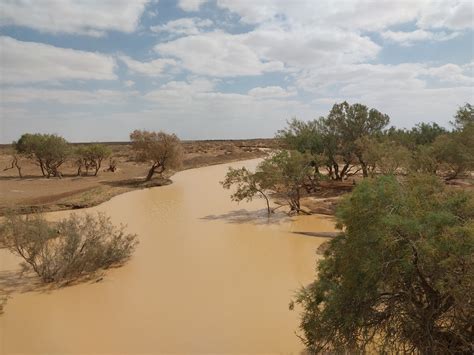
{"x": 248, "y": 185}
{"x": 454, "y": 152}
{"x": 163, "y": 150}
{"x": 91, "y": 157}
{"x": 399, "y": 278}
{"x": 384, "y": 156}
{"x": 287, "y": 173}
{"x": 67, "y": 250}
{"x": 343, "y": 128}
{"x": 464, "y": 116}
{"x": 48, "y": 150}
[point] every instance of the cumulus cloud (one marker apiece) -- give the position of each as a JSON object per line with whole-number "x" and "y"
{"x": 74, "y": 16}
{"x": 24, "y": 62}
{"x": 183, "y": 26}
{"x": 152, "y": 68}
{"x": 217, "y": 54}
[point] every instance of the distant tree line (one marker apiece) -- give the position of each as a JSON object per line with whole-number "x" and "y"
{"x": 50, "y": 151}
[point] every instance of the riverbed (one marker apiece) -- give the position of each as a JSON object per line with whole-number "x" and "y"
{"x": 209, "y": 276}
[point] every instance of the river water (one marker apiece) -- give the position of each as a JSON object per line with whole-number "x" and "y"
{"x": 209, "y": 276}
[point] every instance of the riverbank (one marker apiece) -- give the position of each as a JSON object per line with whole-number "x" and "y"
{"x": 36, "y": 193}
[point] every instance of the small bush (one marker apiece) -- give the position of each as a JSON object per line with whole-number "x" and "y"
{"x": 69, "y": 249}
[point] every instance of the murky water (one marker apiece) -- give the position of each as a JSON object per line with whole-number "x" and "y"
{"x": 209, "y": 276}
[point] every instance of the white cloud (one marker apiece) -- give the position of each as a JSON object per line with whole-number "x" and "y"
{"x": 218, "y": 54}
{"x": 73, "y": 16}
{"x": 191, "y": 5}
{"x": 129, "y": 83}
{"x": 152, "y": 68}
{"x": 409, "y": 38}
{"x": 368, "y": 15}
{"x": 184, "y": 26}
{"x": 452, "y": 14}
{"x": 29, "y": 95}
{"x": 24, "y": 62}
{"x": 271, "y": 92}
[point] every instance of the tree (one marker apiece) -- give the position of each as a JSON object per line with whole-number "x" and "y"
{"x": 48, "y": 150}
{"x": 248, "y": 185}
{"x": 15, "y": 163}
{"x": 163, "y": 150}
{"x": 342, "y": 129}
{"x": 67, "y": 250}
{"x": 91, "y": 157}
{"x": 454, "y": 152}
{"x": 464, "y": 116}
{"x": 399, "y": 277}
{"x": 384, "y": 156}
{"x": 287, "y": 173}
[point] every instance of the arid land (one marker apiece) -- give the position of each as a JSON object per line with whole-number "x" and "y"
{"x": 35, "y": 192}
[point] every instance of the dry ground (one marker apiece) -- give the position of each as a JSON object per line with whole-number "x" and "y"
{"x": 35, "y": 192}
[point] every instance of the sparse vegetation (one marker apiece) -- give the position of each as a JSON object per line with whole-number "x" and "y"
{"x": 67, "y": 250}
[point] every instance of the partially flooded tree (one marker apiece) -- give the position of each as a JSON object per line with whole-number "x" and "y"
{"x": 69, "y": 249}
{"x": 248, "y": 185}
{"x": 48, "y": 150}
{"x": 162, "y": 150}
{"x": 398, "y": 279}
{"x": 287, "y": 173}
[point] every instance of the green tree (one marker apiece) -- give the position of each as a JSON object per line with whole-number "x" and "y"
{"x": 91, "y": 157}
{"x": 399, "y": 278}
{"x": 48, "y": 150}
{"x": 287, "y": 173}
{"x": 162, "y": 150}
{"x": 343, "y": 128}
{"x": 248, "y": 185}
{"x": 464, "y": 116}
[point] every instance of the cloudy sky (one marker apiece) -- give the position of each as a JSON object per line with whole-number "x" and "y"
{"x": 95, "y": 70}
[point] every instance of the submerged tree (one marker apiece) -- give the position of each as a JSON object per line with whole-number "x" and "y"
{"x": 399, "y": 278}
{"x": 248, "y": 185}
{"x": 163, "y": 150}
{"x": 72, "y": 248}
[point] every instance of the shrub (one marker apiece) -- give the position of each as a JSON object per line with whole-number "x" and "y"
{"x": 69, "y": 249}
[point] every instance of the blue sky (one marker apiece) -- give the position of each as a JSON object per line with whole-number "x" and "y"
{"x": 96, "y": 70}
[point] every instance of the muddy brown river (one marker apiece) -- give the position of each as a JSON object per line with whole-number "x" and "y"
{"x": 209, "y": 276}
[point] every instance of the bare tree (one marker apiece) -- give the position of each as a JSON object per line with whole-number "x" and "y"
{"x": 162, "y": 150}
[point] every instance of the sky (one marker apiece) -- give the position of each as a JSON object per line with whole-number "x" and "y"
{"x": 221, "y": 69}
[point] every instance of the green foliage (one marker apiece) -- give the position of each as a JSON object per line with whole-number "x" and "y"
{"x": 67, "y": 250}
{"x": 287, "y": 173}
{"x": 91, "y": 157}
{"x": 421, "y": 134}
{"x": 464, "y": 116}
{"x": 163, "y": 150}
{"x": 247, "y": 185}
{"x": 399, "y": 278}
{"x": 384, "y": 156}
{"x": 302, "y": 136}
{"x": 48, "y": 150}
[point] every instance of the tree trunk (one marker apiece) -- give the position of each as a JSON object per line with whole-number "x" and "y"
{"x": 151, "y": 172}
{"x": 269, "y": 211}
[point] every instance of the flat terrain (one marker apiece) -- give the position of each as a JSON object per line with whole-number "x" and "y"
{"x": 35, "y": 192}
